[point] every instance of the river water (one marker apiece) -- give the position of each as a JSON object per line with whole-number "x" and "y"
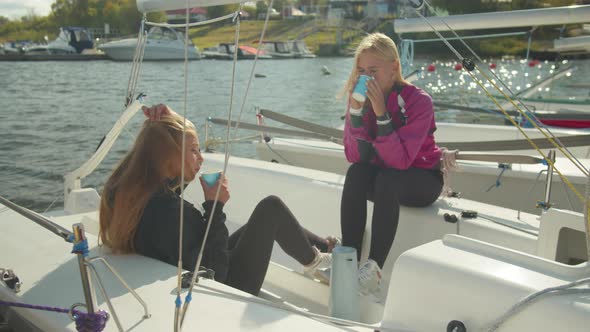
{"x": 54, "y": 114}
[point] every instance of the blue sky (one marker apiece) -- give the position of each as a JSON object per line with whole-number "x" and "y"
{"x": 18, "y": 8}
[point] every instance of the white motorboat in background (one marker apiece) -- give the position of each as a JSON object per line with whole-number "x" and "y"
{"x": 300, "y": 49}
{"x": 278, "y": 49}
{"x": 71, "y": 40}
{"x": 162, "y": 44}
{"x": 225, "y": 51}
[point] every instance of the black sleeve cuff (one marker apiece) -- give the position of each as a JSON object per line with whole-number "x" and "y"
{"x": 384, "y": 125}
{"x": 208, "y": 205}
{"x": 356, "y": 120}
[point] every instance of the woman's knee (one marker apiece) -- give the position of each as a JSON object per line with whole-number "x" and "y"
{"x": 388, "y": 181}
{"x": 271, "y": 202}
{"x": 270, "y": 209}
{"x": 359, "y": 174}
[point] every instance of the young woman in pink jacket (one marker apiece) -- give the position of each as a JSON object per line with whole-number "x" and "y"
{"x": 389, "y": 140}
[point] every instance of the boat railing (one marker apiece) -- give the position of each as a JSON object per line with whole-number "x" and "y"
{"x": 72, "y": 180}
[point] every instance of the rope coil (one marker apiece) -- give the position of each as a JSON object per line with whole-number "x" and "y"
{"x": 85, "y": 322}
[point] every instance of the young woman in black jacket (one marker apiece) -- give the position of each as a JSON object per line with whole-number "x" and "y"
{"x": 140, "y": 212}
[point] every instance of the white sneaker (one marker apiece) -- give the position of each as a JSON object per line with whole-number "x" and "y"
{"x": 369, "y": 278}
{"x": 320, "y": 267}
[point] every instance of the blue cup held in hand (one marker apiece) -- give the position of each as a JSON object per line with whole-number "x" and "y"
{"x": 360, "y": 89}
{"x": 211, "y": 178}
{"x": 344, "y": 284}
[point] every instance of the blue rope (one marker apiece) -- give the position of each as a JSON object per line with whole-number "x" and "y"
{"x": 81, "y": 247}
{"x": 498, "y": 183}
{"x": 178, "y": 301}
{"x": 85, "y": 322}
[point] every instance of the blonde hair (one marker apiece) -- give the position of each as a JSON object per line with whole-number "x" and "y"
{"x": 147, "y": 167}
{"x": 381, "y": 46}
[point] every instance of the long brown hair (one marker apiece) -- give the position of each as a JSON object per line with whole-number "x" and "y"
{"x": 154, "y": 159}
{"x": 380, "y": 45}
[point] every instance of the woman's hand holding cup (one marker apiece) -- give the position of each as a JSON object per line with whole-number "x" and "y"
{"x": 210, "y": 181}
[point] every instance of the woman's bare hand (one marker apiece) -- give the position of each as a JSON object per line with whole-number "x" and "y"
{"x": 155, "y": 112}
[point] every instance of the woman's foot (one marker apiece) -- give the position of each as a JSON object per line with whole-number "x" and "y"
{"x": 369, "y": 278}
{"x": 333, "y": 242}
{"x": 319, "y": 266}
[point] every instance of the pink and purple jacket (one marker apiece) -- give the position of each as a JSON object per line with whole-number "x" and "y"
{"x": 394, "y": 144}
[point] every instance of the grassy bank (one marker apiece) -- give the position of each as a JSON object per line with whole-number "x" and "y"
{"x": 314, "y": 35}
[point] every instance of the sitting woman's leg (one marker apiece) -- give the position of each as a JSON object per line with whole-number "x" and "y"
{"x": 359, "y": 181}
{"x": 412, "y": 187}
{"x": 251, "y": 245}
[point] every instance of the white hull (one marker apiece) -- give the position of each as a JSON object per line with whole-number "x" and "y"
{"x": 519, "y": 186}
{"x": 496, "y": 20}
{"x": 572, "y": 44}
{"x": 124, "y": 50}
{"x": 474, "y": 276}
{"x": 161, "y": 44}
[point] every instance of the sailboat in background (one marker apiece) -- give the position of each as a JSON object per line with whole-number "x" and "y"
{"x": 456, "y": 265}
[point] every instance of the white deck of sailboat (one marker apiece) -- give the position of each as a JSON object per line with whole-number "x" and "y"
{"x": 521, "y": 186}
{"x": 506, "y": 263}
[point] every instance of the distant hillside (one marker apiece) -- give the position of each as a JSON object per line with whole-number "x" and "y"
{"x": 313, "y": 33}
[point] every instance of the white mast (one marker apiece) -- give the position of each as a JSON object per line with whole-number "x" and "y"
{"x": 494, "y": 20}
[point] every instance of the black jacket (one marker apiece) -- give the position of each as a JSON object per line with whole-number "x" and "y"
{"x": 158, "y": 233}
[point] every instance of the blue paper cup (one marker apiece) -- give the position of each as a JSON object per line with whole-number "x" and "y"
{"x": 360, "y": 89}
{"x": 211, "y": 178}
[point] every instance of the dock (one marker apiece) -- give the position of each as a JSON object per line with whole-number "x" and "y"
{"x": 53, "y": 57}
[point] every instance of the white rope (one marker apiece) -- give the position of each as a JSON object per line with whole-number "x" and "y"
{"x": 211, "y": 215}
{"x": 558, "y": 290}
{"x": 236, "y": 17}
{"x": 448, "y": 164}
{"x": 228, "y": 140}
{"x": 136, "y": 65}
{"x": 178, "y": 317}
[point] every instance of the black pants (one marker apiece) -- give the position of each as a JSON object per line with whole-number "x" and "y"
{"x": 251, "y": 245}
{"x": 387, "y": 188}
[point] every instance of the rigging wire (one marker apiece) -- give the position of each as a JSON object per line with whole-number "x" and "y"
{"x": 216, "y": 199}
{"x": 533, "y": 119}
{"x": 236, "y": 18}
{"x": 528, "y": 114}
{"x": 177, "y": 314}
{"x": 469, "y": 65}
